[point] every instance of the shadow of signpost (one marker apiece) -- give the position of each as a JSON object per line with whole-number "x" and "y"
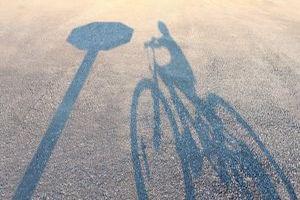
{"x": 231, "y": 158}
{"x": 93, "y": 37}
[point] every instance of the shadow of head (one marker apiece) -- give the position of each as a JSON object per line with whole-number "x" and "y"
{"x": 163, "y": 28}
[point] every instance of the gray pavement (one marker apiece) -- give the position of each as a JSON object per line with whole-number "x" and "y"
{"x": 246, "y": 52}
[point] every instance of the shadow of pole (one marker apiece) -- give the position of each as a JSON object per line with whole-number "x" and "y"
{"x": 92, "y": 37}
{"x": 39, "y": 161}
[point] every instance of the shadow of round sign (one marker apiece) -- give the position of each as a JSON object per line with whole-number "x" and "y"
{"x": 100, "y": 36}
{"x": 92, "y": 37}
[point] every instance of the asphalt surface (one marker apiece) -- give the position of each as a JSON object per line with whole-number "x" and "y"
{"x": 245, "y": 53}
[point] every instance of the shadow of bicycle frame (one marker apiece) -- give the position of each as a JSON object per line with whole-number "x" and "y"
{"x": 231, "y": 166}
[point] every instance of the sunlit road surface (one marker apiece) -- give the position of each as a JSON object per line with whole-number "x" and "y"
{"x": 246, "y": 52}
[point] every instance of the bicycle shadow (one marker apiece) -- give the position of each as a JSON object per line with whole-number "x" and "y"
{"x": 231, "y": 158}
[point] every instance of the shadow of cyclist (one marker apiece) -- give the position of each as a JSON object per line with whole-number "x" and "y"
{"x": 178, "y": 71}
{"x": 231, "y": 158}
